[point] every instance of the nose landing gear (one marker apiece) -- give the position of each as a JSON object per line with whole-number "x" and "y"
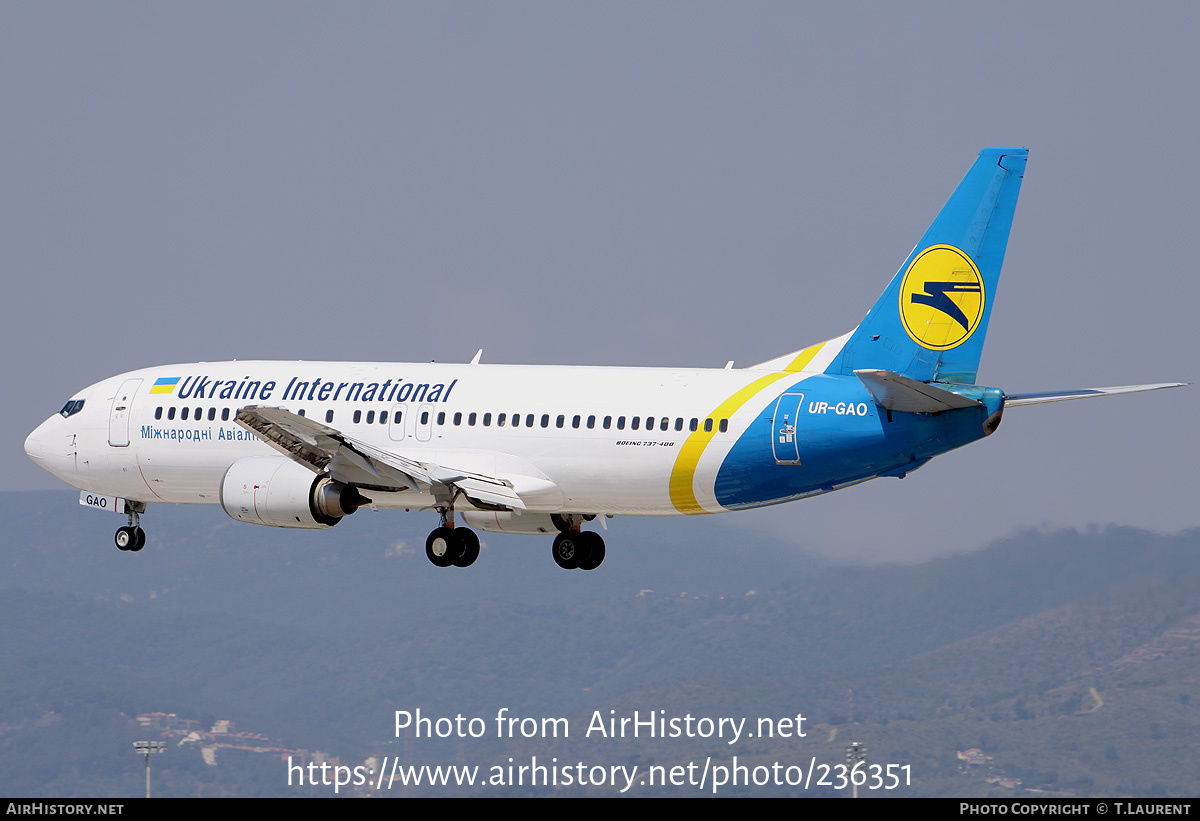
{"x": 131, "y": 537}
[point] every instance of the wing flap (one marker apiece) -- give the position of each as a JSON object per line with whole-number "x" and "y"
{"x": 490, "y": 492}
{"x": 478, "y": 487}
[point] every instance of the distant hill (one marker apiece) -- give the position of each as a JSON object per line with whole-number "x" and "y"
{"x": 1071, "y": 659}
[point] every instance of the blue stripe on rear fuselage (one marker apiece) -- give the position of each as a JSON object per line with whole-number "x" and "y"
{"x": 835, "y": 448}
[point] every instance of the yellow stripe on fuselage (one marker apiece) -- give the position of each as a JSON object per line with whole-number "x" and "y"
{"x": 683, "y": 474}
{"x": 803, "y": 358}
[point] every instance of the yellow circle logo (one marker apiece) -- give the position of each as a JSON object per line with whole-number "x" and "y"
{"x": 941, "y": 298}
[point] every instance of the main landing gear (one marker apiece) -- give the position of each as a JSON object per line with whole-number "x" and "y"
{"x": 450, "y": 545}
{"x": 578, "y": 549}
{"x": 458, "y": 546}
{"x": 131, "y": 537}
{"x": 573, "y": 549}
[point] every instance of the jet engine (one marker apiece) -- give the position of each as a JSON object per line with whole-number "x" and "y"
{"x": 278, "y": 492}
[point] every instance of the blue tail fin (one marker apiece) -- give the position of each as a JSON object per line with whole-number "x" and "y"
{"x": 931, "y": 321}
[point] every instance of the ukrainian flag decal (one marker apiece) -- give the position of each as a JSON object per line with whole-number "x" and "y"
{"x": 165, "y": 385}
{"x": 941, "y": 298}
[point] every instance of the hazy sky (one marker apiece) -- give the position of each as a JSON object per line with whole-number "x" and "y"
{"x": 617, "y": 183}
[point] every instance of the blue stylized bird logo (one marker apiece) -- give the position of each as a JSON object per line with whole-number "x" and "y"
{"x": 937, "y": 296}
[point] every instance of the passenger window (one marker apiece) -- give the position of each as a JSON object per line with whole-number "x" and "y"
{"x": 458, "y": 417}
{"x": 357, "y": 416}
{"x": 397, "y": 417}
{"x": 516, "y": 420}
{"x": 708, "y": 425}
{"x": 529, "y": 420}
{"x": 620, "y": 423}
{"x": 328, "y": 416}
{"x": 170, "y": 413}
{"x": 664, "y": 424}
{"x": 487, "y": 420}
{"x": 224, "y": 414}
{"x": 724, "y": 425}
{"x": 471, "y": 419}
{"x": 157, "y": 412}
{"x": 545, "y": 420}
{"x": 692, "y": 425}
{"x": 607, "y": 422}
{"x": 558, "y": 423}
{"x": 591, "y": 422}
{"x": 370, "y": 417}
{"x": 184, "y": 414}
{"x": 301, "y": 411}
{"x": 500, "y": 420}
{"x": 679, "y": 423}
{"x": 212, "y": 414}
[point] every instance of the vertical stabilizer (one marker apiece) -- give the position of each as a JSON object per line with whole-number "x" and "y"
{"x": 931, "y": 321}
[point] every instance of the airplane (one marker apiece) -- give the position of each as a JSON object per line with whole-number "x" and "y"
{"x": 546, "y": 449}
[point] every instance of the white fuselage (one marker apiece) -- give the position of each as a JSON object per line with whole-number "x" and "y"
{"x": 578, "y": 438}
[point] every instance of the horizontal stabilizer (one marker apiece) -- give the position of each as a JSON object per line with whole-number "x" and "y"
{"x": 1015, "y": 399}
{"x": 900, "y": 393}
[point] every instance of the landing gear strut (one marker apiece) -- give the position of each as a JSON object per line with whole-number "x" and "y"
{"x": 450, "y": 545}
{"x": 131, "y": 537}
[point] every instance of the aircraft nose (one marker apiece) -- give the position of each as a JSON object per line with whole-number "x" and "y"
{"x": 35, "y": 445}
{"x": 40, "y": 447}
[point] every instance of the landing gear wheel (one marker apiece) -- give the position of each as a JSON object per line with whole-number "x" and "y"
{"x": 442, "y": 547}
{"x": 139, "y": 540}
{"x": 468, "y": 544}
{"x": 591, "y": 553}
{"x": 566, "y": 550}
{"x": 126, "y": 537}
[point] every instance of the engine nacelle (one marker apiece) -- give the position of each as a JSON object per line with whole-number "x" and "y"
{"x": 278, "y": 492}
{"x": 526, "y": 524}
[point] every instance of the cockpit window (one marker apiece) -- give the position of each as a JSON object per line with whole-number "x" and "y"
{"x": 71, "y": 408}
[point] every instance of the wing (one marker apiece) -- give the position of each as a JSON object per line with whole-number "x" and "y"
{"x": 1012, "y": 400}
{"x": 323, "y": 449}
